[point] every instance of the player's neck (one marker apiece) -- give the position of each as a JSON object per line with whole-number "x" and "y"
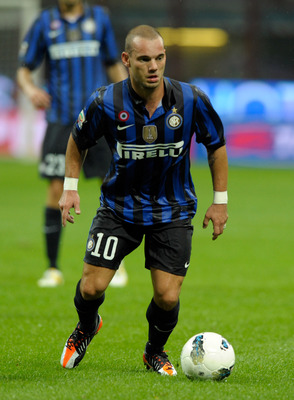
{"x": 152, "y": 97}
{"x": 73, "y": 11}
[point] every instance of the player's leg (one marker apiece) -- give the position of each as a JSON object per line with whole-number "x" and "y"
{"x": 90, "y": 295}
{"x": 168, "y": 253}
{"x": 104, "y": 252}
{"x": 162, "y": 316}
{"x": 163, "y": 309}
{"x": 52, "y": 232}
{"x": 52, "y": 168}
{"x": 53, "y": 226}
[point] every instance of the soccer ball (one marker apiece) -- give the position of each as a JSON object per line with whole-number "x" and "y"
{"x": 207, "y": 355}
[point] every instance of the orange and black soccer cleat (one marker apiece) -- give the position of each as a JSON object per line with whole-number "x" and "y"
{"x": 76, "y": 345}
{"x": 160, "y": 363}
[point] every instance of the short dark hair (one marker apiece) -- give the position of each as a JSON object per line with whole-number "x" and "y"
{"x": 143, "y": 31}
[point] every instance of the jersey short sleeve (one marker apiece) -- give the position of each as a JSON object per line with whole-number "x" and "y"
{"x": 209, "y": 128}
{"x": 89, "y": 126}
{"x": 33, "y": 48}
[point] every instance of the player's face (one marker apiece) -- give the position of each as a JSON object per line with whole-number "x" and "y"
{"x": 146, "y": 63}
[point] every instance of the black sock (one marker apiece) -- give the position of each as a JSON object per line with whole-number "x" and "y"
{"x": 161, "y": 325}
{"x": 52, "y": 230}
{"x": 87, "y": 310}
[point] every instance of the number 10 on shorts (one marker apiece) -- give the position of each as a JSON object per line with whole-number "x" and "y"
{"x": 109, "y": 249}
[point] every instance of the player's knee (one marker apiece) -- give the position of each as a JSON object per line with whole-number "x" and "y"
{"x": 167, "y": 301}
{"x": 92, "y": 290}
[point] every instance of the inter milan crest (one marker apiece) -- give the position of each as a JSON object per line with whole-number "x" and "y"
{"x": 174, "y": 120}
{"x": 90, "y": 244}
{"x": 149, "y": 133}
{"x": 89, "y": 26}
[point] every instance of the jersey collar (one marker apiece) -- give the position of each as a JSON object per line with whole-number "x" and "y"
{"x": 85, "y": 11}
{"x": 168, "y": 99}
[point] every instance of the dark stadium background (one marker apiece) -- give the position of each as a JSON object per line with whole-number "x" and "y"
{"x": 259, "y": 49}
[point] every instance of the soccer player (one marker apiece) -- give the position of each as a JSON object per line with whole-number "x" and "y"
{"x": 79, "y": 48}
{"x": 148, "y": 121}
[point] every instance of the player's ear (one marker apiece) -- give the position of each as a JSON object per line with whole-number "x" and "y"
{"x": 125, "y": 57}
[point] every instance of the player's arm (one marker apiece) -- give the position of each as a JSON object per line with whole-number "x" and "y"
{"x": 70, "y": 198}
{"x": 38, "y": 97}
{"x": 217, "y": 212}
{"x": 117, "y": 72}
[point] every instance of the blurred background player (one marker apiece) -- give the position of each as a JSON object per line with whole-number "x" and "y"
{"x": 78, "y": 44}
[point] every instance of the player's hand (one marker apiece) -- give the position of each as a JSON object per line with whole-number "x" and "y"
{"x": 218, "y": 215}
{"x": 39, "y": 97}
{"x": 69, "y": 199}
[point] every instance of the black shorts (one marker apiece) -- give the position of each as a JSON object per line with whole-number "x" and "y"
{"x": 52, "y": 164}
{"x": 167, "y": 246}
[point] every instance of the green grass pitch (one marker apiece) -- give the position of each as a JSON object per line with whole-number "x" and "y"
{"x": 240, "y": 286}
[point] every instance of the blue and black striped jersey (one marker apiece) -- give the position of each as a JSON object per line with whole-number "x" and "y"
{"x": 76, "y": 53}
{"x": 149, "y": 179}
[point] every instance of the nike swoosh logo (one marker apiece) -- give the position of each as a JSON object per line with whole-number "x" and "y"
{"x": 121, "y": 128}
{"x": 187, "y": 265}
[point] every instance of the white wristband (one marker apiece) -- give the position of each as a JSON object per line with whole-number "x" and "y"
{"x": 70, "y": 183}
{"x": 220, "y": 197}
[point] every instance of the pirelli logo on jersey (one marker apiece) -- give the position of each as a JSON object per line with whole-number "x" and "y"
{"x": 82, "y": 48}
{"x": 140, "y": 152}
